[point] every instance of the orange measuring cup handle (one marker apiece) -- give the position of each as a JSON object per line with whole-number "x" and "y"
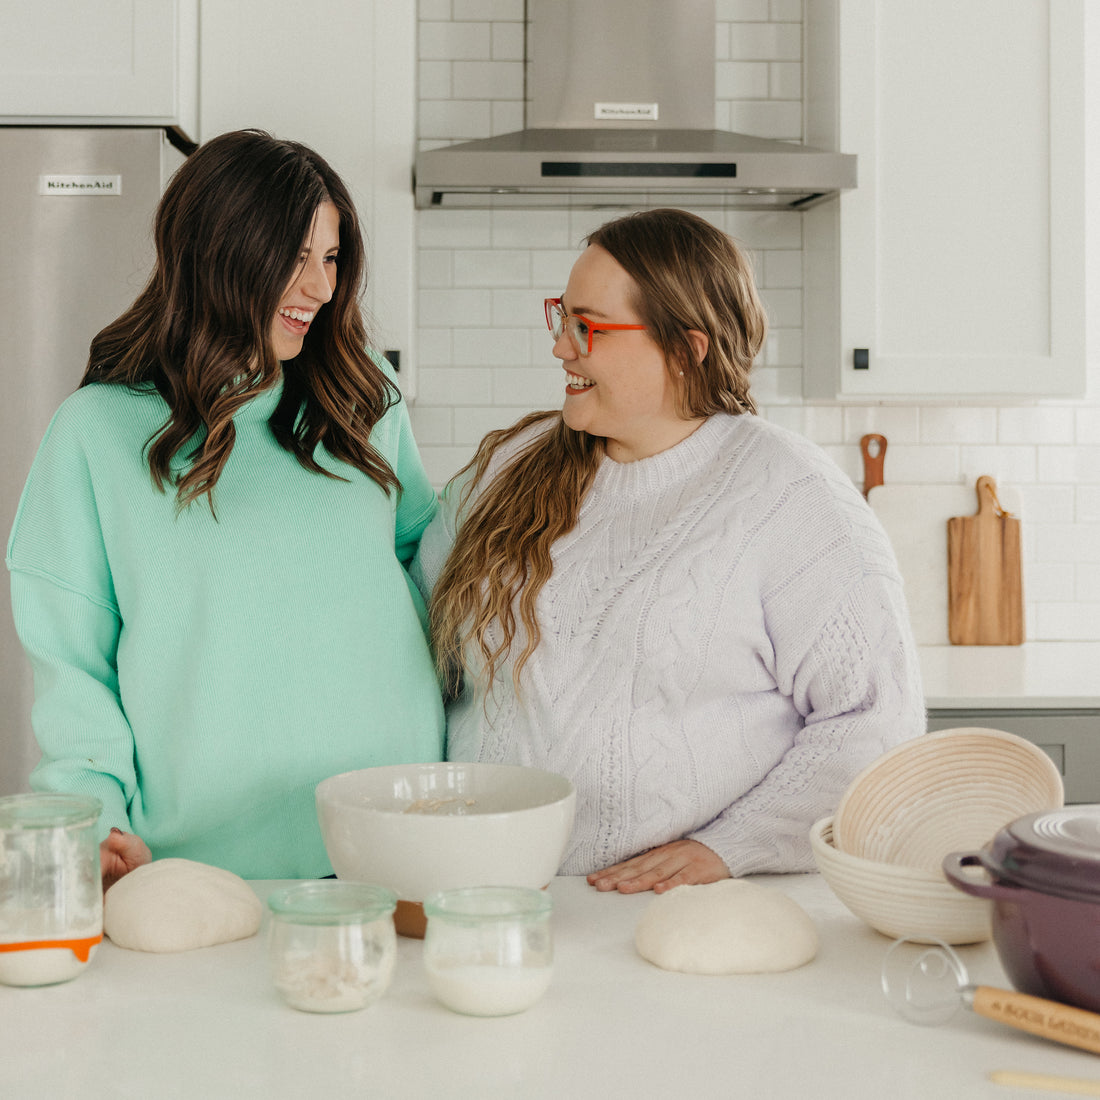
{"x": 81, "y": 948}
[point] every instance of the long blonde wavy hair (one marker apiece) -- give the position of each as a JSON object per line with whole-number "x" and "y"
{"x": 687, "y": 275}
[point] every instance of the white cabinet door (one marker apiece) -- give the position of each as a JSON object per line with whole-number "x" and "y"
{"x": 110, "y": 61}
{"x": 956, "y": 268}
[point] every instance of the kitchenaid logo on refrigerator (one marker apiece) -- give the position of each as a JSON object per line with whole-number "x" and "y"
{"x": 66, "y": 184}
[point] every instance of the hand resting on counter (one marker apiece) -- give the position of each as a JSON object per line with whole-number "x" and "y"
{"x": 119, "y": 853}
{"x": 682, "y": 862}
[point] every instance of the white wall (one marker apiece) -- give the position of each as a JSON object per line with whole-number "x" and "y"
{"x": 485, "y": 355}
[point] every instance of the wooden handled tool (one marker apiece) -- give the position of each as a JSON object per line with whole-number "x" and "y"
{"x": 1075, "y": 1027}
{"x": 985, "y": 603}
{"x": 873, "y": 448}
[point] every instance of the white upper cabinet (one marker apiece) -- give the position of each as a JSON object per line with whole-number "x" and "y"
{"x": 956, "y": 269}
{"x": 112, "y": 61}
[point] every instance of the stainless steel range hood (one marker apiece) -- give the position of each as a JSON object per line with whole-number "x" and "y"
{"x": 620, "y": 107}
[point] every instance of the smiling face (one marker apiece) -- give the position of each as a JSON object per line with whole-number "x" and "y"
{"x": 622, "y": 391}
{"x": 311, "y": 285}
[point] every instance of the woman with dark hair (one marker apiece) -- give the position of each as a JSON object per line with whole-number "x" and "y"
{"x": 689, "y": 611}
{"x": 209, "y": 558}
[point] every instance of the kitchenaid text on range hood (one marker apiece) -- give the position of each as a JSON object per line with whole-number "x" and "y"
{"x": 620, "y": 107}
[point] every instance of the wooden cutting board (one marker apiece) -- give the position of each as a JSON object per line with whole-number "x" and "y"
{"x": 915, "y": 518}
{"x": 985, "y": 587}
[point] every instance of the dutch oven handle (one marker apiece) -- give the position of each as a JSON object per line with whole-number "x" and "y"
{"x": 953, "y": 869}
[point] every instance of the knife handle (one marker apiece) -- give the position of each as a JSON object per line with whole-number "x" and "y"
{"x": 1075, "y": 1027}
{"x": 873, "y": 448}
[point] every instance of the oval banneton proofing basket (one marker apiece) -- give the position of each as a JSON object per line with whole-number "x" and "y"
{"x": 943, "y": 792}
{"x": 898, "y": 901}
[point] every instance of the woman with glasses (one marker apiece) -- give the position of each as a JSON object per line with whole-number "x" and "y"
{"x": 209, "y": 559}
{"x": 689, "y": 611}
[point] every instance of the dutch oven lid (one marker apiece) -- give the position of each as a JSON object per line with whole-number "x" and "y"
{"x": 1052, "y": 852}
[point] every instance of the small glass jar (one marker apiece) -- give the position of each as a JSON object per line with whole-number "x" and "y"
{"x": 51, "y": 892}
{"x": 488, "y": 950}
{"x": 333, "y": 944}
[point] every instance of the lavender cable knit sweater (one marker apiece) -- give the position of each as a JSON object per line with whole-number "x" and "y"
{"x": 725, "y": 644}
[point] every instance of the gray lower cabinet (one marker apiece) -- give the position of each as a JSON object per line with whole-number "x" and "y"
{"x": 1071, "y": 738}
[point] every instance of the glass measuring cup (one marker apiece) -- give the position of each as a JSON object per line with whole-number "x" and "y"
{"x": 51, "y": 894}
{"x": 926, "y": 983}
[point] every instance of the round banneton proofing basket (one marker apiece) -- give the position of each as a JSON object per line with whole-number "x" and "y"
{"x": 943, "y": 792}
{"x": 898, "y": 901}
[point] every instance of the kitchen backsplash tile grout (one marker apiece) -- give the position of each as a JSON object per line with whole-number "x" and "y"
{"x": 484, "y": 356}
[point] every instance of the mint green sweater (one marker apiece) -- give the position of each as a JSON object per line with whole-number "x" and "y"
{"x": 201, "y": 676}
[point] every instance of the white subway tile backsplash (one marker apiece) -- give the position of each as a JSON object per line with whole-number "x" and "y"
{"x": 530, "y": 229}
{"x": 1067, "y": 622}
{"x": 433, "y": 349}
{"x": 1087, "y": 504}
{"x": 900, "y": 424}
{"x": 434, "y": 79}
{"x": 766, "y": 42}
{"x": 1009, "y": 465}
{"x": 489, "y": 9}
{"x": 754, "y": 230}
{"x": 1049, "y": 582}
{"x": 741, "y": 80}
{"x": 923, "y": 464}
{"x": 492, "y": 268}
{"x": 783, "y": 348}
{"x": 784, "y": 80}
{"x": 506, "y": 116}
{"x": 1087, "y": 583}
{"x": 1068, "y": 542}
{"x": 1035, "y": 425}
{"x": 1077, "y": 464}
{"x": 530, "y": 388}
{"x": 435, "y": 267}
{"x": 457, "y": 386}
{"x": 784, "y": 307}
{"x": 551, "y": 267}
{"x": 442, "y": 463}
{"x": 507, "y": 41}
{"x": 785, "y": 11}
{"x": 521, "y": 307}
{"x": 1087, "y": 427}
{"x": 432, "y": 424}
{"x": 770, "y": 118}
{"x": 472, "y": 425}
{"x": 455, "y": 308}
{"x": 451, "y": 41}
{"x": 453, "y": 229}
{"x": 488, "y": 79}
{"x": 429, "y": 11}
{"x": 1046, "y": 503}
{"x": 741, "y": 10}
{"x": 958, "y": 425}
{"x": 491, "y": 347}
{"x": 456, "y": 118}
{"x": 781, "y": 268}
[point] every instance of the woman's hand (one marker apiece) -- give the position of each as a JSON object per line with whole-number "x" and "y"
{"x": 683, "y": 862}
{"x": 119, "y": 853}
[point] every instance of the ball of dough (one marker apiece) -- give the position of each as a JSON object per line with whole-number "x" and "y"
{"x": 726, "y": 927}
{"x": 178, "y": 905}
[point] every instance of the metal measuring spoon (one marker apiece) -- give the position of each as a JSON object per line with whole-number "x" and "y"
{"x": 929, "y": 988}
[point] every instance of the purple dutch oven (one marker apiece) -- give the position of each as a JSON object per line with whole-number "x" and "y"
{"x": 1044, "y": 872}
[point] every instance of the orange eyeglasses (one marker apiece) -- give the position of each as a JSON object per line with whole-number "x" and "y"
{"x": 579, "y": 327}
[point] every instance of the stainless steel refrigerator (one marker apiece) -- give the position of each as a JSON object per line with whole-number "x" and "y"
{"x": 76, "y": 216}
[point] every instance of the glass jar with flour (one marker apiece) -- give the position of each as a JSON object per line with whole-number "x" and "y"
{"x": 488, "y": 950}
{"x": 51, "y": 894}
{"x": 333, "y": 944}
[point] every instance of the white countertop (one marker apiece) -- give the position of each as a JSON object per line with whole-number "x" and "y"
{"x": 208, "y": 1024}
{"x": 1035, "y": 675}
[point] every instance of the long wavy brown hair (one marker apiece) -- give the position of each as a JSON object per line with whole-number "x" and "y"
{"x": 687, "y": 275}
{"x": 228, "y": 233}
